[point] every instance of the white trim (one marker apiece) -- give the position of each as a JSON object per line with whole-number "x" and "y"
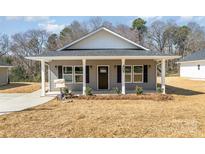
{"x": 193, "y": 61}
{"x": 47, "y": 59}
{"x": 67, "y": 74}
{"x": 128, "y": 73}
{"x": 163, "y": 75}
{"x": 138, "y": 74}
{"x": 43, "y": 86}
{"x": 6, "y": 66}
{"x": 107, "y": 79}
{"x": 102, "y": 28}
{"x": 84, "y": 76}
{"x": 123, "y": 62}
{"x": 74, "y": 66}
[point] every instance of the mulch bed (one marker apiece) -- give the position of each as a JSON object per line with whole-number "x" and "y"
{"x": 155, "y": 97}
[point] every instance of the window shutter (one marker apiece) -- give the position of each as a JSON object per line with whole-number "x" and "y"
{"x": 145, "y": 73}
{"x": 60, "y": 72}
{"x": 87, "y": 74}
{"x": 119, "y": 74}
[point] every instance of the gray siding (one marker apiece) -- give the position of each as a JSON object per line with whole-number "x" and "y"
{"x": 150, "y": 85}
{"x": 3, "y": 75}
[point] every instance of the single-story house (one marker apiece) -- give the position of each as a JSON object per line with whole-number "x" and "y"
{"x": 193, "y": 65}
{"x": 4, "y": 77}
{"x": 103, "y": 60}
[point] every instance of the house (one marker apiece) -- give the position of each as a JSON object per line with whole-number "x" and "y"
{"x": 103, "y": 60}
{"x": 4, "y": 78}
{"x": 193, "y": 65}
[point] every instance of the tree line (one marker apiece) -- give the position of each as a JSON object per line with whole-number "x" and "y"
{"x": 167, "y": 37}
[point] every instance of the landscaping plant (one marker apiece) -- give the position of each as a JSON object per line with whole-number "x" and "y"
{"x": 139, "y": 90}
{"x": 117, "y": 90}
{"x": 88, "y": 91}
{"x": 159, "y": 90}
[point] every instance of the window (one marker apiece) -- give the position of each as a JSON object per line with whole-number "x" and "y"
{"x": 138, "y": 73}
{"x": 128, "y": 74}
{"x": 78, "y": 74}
{"x": 198, "y": 67}
{"x": 68, "y": 73}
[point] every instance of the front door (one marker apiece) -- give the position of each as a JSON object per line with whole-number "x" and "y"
{"x": 102, "y": 77}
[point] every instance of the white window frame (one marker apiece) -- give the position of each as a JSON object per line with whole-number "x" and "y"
{"x": 138, "y": 73}
{"x": 128, "y": 73}
{"x": 77, "y": 74}
{"x": 68, "y": 74}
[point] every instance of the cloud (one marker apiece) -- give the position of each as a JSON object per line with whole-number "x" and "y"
{"x": 28, "y": 18}
{"x": 51, "y": 26}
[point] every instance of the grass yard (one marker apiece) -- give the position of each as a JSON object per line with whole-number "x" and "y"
{"x": 182, "y": 117}
{"x": 20, "y": 87}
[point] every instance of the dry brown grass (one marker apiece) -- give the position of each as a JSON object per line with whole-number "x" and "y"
{"x": 20, "y": 87}
{"x": 182, "y": 117}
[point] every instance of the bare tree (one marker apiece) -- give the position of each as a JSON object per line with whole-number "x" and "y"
{"x": 4, "y": 44}
{"x": 95, "y": 22}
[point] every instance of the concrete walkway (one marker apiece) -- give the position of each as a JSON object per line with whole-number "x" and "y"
{"x": 18, "y": 102}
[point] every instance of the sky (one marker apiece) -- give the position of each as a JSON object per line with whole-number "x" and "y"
{"x": 15, "y": 24}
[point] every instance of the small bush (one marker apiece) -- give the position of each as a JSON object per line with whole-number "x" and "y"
{"x": 139, "y": 90}
{"x": 66, "y": 91}
{"x": 117, "y": 90}
{"x": 88, "y": 91}
{"x": 160, "y": 90}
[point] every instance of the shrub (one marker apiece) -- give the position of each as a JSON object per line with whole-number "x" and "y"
{"x": 117, "y": 90}
{"x": 88, "y": 91}
{"x": 139, "y": 90}
{"x": 160, "y": 90}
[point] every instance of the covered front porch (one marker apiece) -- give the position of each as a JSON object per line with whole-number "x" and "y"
{"x": 113, "y": 75}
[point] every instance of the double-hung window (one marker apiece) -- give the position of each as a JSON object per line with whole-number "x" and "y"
{"x": 128, "y": 74}
{"x": 78, "y": 74}
{"x": 68, "y": 74}
{"x": 137, "y": 73}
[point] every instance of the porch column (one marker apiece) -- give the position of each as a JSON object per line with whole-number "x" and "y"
{"x": 163, "y": 75}
{"x": 43, "y": 78}
{"x": 123, "y": 76}
{"x": 84, "y": 76}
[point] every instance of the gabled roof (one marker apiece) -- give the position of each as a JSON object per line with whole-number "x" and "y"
{"x": 100, "y": 29}
{"x": 199, "y": 55}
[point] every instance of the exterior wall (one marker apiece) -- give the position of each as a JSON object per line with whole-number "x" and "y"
{"x": 150, "y": 85}
{"x": 100, "y": 40}
{"x": 190, "y": 70}
{"x": 3, "y": 75}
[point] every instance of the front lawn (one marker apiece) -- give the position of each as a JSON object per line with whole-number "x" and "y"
{"x": 184, "y": 116}
{"x": 20, "y": 87}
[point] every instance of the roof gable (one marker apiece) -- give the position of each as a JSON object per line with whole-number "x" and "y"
{"x": 103, "y": 38}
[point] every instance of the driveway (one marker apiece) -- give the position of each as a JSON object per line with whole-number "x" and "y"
{"x": 20, "y": 101}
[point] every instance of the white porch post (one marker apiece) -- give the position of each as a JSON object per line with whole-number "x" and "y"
{"x": 123, "y": 76}
{"x": 163, "y": 75}
{"x": 84, "y": 75}
{"x": 43, "y": 78}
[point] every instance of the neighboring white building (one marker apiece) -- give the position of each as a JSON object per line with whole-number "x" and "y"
{"x": 4, "y": 79}
{"x": 193, "y": 66}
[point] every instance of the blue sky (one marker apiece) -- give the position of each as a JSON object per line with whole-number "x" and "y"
{"x": 12, "y": 24}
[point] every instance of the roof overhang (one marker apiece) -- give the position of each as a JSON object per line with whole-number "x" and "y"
{"x": 6, "y": 66}
{"x": 100, "y": 57}
{"x": 193, "y": 61}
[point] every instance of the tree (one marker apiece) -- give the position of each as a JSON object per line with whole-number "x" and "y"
{"x": 140, "y": 25}
{"x": 95, "y": 23}
{"x": 181, "y": 37}
{"x": 53, "y": 42}
{"x": 32, "y": 42}
{"x": 157, "y": 36}
{"x": 4, "y": 44}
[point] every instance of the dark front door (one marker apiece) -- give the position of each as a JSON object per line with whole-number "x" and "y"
{"x": 103, "y": 77}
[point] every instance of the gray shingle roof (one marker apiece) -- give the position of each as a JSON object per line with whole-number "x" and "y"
{"x": 199, "y": 55}
{"x": 107, "y": 52}
{"x": 4, "y": 64}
